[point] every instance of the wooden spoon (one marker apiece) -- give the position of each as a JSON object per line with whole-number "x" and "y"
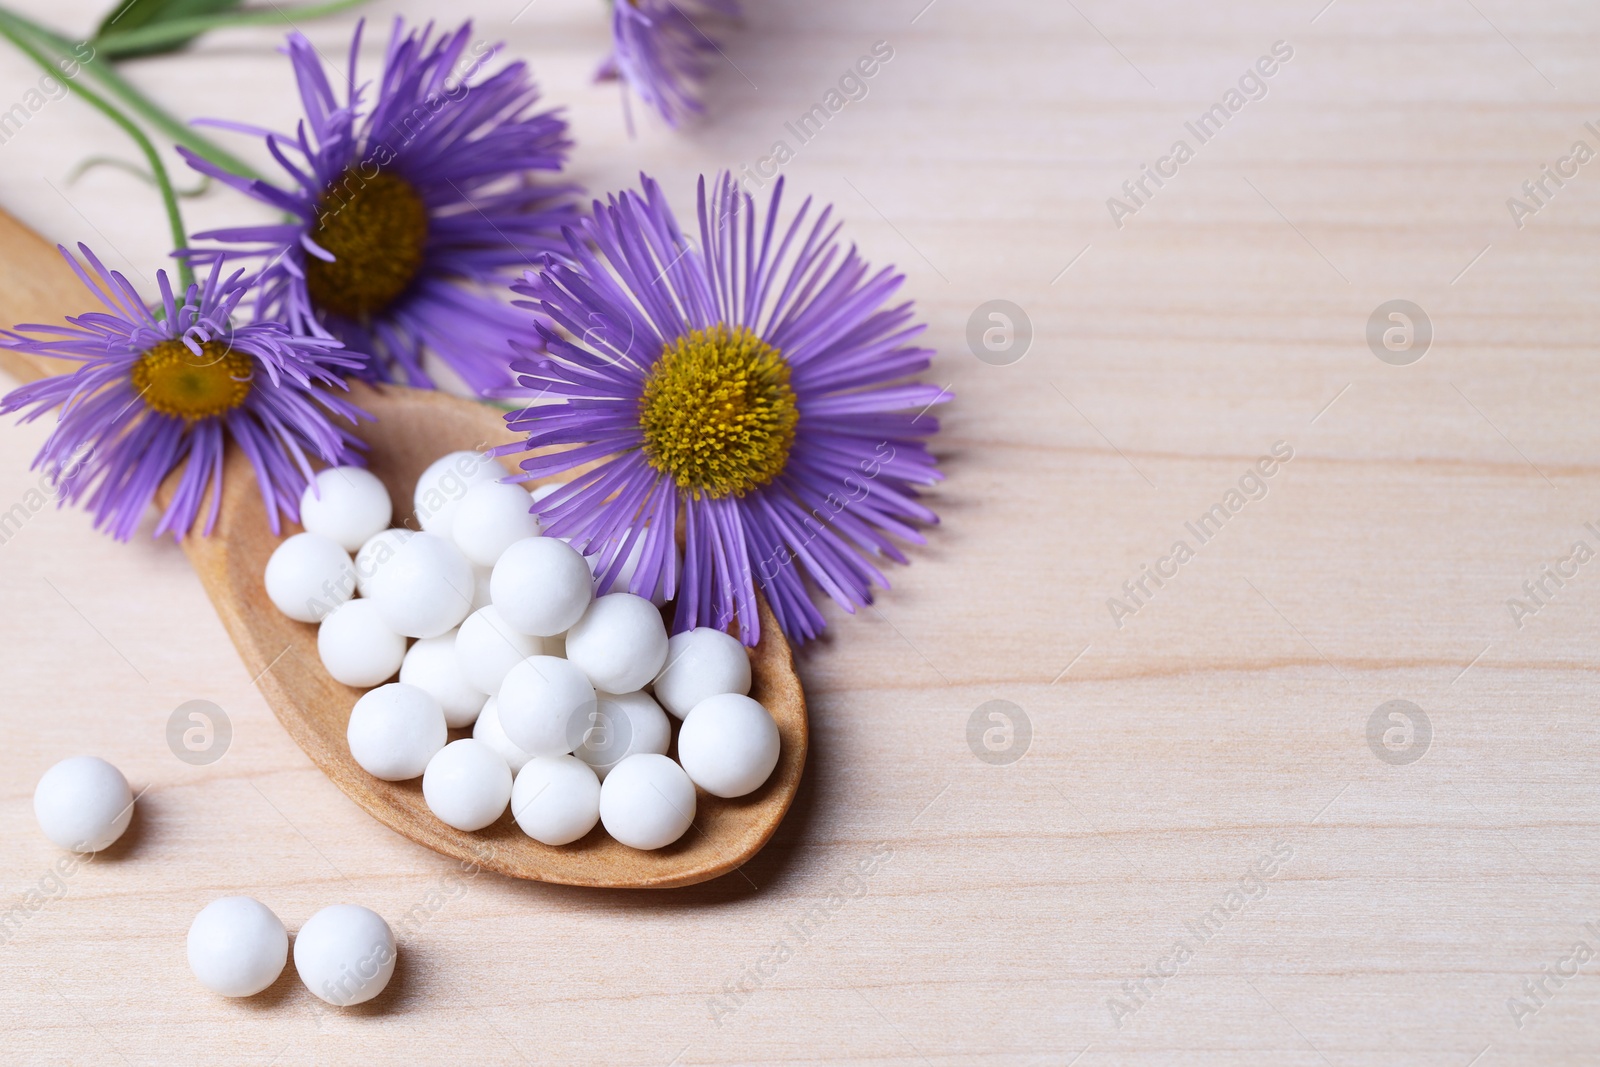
{"x": 413, "y": 428}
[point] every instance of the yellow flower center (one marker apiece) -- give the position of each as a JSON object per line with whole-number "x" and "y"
{"x": 718, "y": 414}
{"x": 174, "y": 381}
{"x": 377, "y": 230}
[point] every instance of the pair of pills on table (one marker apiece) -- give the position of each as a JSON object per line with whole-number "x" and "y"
{"x": 345, "y": 954}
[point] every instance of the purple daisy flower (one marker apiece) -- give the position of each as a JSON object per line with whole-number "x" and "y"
{"x": 661, "y": 52}
{"x": 157, "y": 391}
{"x": 754, "y": 382}
{"x": 408, "y": 217}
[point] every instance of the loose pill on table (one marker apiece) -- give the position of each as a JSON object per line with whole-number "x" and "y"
{"x": 490, "y": 519}
{"x": 356, "y": 646}
{"x": 347, "y": 505}
{"x": 488, "y": 730}
{"x": 556, "y": 799}
{"x": 443, "y": 485}
{"x": 83, "y": 804}
{"x": 467, "y": 784}
{"x": 647, "y": 801}
{"x": 488, "y": 648}
{"x": 345, "y": 954}
{"x": 308, "y": 576}
{"x": 426, "y": 589}
{"x": 544, "y": 705}
{"x": 623, "y": 724}
{"x": 620, "y": 642}
{"x": 728, "y": 745}
{"x": 375, "y": 554}
{"x": 237, "y": 946}
{"x": 541, "y": 586}
{"x": 433, "y": 666}
{"x": 701, "y": 663}
{"x": 394, "y": 730}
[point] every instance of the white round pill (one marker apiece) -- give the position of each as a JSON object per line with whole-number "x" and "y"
{"x": 728, "y": 745}
{"x": 426, "y": 589}
{"x": 394, "y": 731}
{"x": 701, "y": 663}
{"x": 83, "y": 804}
{"x": 308, "y": 576}
{"x": 490, "y": 519}
{"x": 488, "y": 648}
{"x": 544, "y": 705}
{"x": 620, "y": 643}
{"x": 622, "y": 724}
{"x": 345, "y": 954}
{"x": 237, "y": 946}
{"x": 442, "y": 486}
{"x": 432, "y": 666}
{"x": 488, "y": 730}
{"x": 541, "y": 586}
{"x": 647, "y": 801}
{"x": 348, "y": 505}
{"x": 467, "y": 784}
{"x": 590, "y": 560}
{"x": 556, "y": 799}
{"x": 375, "y": 554}
{"x": 356, "y": 647}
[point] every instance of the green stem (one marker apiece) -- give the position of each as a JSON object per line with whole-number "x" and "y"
{"x": 137, "y": 102}
{"x": 177, "y": 31}
{"x": 169, "y": 199}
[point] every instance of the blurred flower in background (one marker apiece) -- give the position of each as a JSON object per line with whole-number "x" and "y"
{"x": 661, "y": 51}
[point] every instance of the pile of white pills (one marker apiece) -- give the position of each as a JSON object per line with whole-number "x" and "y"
{"x": 572, "y": 698}
{"x": 345, "y": 954}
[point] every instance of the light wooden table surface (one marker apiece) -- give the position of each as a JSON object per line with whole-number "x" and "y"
{"x": 1411, "y": 905}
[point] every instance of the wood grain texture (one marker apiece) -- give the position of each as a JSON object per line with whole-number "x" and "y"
{"x": 1006, "y": 905}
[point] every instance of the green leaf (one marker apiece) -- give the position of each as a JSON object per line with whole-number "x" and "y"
{"x": 175, "y": 29}
{"x": 130, "y": 15}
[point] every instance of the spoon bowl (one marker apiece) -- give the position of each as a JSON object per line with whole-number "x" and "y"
{"x": 412, "y": 429}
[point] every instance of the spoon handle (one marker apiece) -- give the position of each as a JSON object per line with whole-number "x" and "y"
{"x": 36, "y": 285}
